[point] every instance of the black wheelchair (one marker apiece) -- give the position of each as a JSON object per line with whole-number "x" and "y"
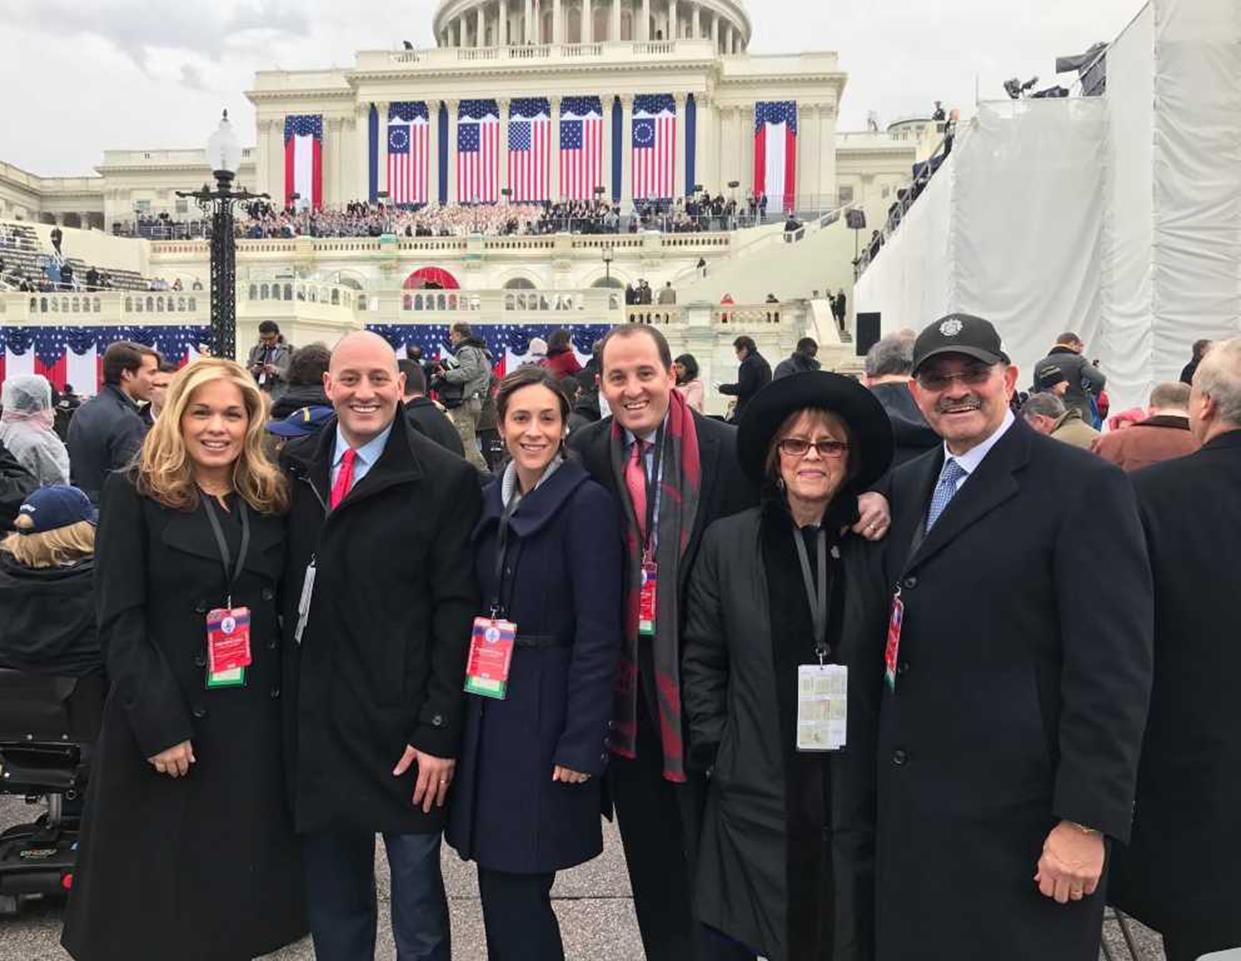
{"x": 48, "y": 727}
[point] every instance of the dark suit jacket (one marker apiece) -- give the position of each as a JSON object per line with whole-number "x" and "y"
{"x": 104, "y": 435}
{"x": 1021, "y": 692}
{"x": 433, "y": 423}
{"x": 1182, "y": 870}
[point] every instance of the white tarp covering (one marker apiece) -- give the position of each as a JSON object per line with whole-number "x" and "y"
{"x": 1117, "y": 217}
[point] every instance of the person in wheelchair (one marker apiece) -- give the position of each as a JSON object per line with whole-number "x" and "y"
{"x": 51, "y": 686}
{"x": 187, "y": 847}
{"x": 47, "y": 611}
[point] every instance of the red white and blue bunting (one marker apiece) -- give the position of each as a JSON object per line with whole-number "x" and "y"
{"x": 509, "y": 343}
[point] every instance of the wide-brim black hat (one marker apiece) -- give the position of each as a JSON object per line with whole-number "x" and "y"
{"x": 871, "y": 430}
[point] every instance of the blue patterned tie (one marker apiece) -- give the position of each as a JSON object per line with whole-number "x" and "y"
{"x": 945, "y": 490}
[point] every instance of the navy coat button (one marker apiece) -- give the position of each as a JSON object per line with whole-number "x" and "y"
{"x": 437, "y": 721}
{"x": 199, "y": 711}
{"x": 909, "y": 583}
{"x": 200, "y": 607}
{"x": 899, "y": 757}
{"x": 275, "y": 692}
{"x": 200, "y": 660}
{"x": 267, "y": 594}
{"x": 902, "y": 667}
{"x": 273, "y": 644}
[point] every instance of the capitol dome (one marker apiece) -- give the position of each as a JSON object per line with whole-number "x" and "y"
{"x": 500, "y": 23}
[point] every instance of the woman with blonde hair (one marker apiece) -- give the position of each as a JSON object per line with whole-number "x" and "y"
{"x": 187, "y": 847}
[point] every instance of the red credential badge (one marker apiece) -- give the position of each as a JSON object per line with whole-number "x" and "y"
{"x": 228, "y": 646}
{"x": 647, "y": 599}
{"x": 892, "y": 652}
{"x": 491, "y": 656}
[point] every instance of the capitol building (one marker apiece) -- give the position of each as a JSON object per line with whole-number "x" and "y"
{"x": 633, "y": 103}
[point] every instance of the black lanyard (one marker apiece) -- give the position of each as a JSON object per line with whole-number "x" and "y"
{"x": 652, "y": 488}
{"x": 230, "y": 577}
{"x": 501, "y": 551}
{"x": 816, "y": 597}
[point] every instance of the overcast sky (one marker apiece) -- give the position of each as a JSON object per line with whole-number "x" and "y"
{"x": 126, "y": 74}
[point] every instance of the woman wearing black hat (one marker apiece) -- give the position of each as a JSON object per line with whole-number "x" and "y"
{"x": 784, "y": 607}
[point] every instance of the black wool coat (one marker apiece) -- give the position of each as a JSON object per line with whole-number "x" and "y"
{"x": 432, "y": 422}
{"x": 562, "y": 588}
{"x": 1021, "y": 693}
{"x": 381, "y": 663}
{"x": 16, "y": 484}
{"x": 1181, "y": 872}
{"x": 207, "y": 862}
{"x": 732, "y": 702}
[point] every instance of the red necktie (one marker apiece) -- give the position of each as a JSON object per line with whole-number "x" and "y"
{"x": 635, "y": 480}
{"x": 344, "y": 479}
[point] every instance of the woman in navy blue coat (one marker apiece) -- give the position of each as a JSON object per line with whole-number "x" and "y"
{"x": 526, "y": 795}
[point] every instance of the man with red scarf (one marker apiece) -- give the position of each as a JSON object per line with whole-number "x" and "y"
{"x": 674, "y": 472}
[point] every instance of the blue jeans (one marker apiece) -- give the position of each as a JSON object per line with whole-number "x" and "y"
{"x": 341, "y": 900}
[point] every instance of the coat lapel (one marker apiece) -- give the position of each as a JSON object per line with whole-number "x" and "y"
{"x": 988, "y": 487}
{"x": 190, "y": 532}
{"x": 708, "y": 459}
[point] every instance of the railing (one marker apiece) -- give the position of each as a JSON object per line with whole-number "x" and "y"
{"x": 123, "y": 307}
{"x": 722, "y": 316}
{"x": 289, "y": 291}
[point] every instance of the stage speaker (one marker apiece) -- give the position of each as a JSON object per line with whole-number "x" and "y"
{"x": 867, "y": 332}
{"x": 855, "y": 219}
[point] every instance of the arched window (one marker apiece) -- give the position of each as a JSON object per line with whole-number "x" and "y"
{"x": 519, "y": 283}
{"x": 602, "y": 25}
{"x": 611, "y": 282}
{"x": 573, "y": 26}
{"x": 627, "y": 25}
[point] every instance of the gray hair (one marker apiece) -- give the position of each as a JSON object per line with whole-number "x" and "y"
{"x": 1046, "y": 405}
{"x": 1219, "y": 377}
{"x": 1170, "y": 396}
{"x": 891, "y": 357}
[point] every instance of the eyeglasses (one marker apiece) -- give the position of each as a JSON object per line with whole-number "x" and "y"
{"x": 796, "y": 447}
{"x": 970, "y": 377}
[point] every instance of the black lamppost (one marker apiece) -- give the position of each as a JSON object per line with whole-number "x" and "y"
{"x": 224, "y": 155}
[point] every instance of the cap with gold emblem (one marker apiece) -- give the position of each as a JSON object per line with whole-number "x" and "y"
{"x": 959, "y": 334}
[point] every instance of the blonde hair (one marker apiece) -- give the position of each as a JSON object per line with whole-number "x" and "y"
{"x": 54, "y": 548}
{"x": 164, "y": 470}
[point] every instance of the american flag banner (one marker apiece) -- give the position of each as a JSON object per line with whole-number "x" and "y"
{"x": 478, "y": 152}
{"x": 530, "y": 150}
{"x": 654, "y": 147}
{"x": 303, "y": 160}
{"x": 581, "y": 147}
{"x": 409, "y": 153}
{"x": 775, "y": 151}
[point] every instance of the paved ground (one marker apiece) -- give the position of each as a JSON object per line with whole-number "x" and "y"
{"x": 592, "y": 902}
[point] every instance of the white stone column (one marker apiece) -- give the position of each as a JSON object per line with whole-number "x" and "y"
{"x": 333, "y": 183}
{"x": 745, "y": 149}
{"x": 527, "y": 34}
{"x": 382, "y": 179}
{"x": 557, "y": 22}
{"x": 502, "y": 37}
{"x": 626, "y": 149}
{"x": 678, "y": 179}
{"x": 702, "y": 163}
{"x": 588, "y": 22}
{"x": 644, "y": 31}
{"x": 607, "y": 145}
{"x": 433, "y": 178}
{"x": 505, "y": 106}
{"x": 361, "y": 179}
{"x": 715, "y": 31}
{"x": 262, "y": 165}
{"x": 459, "y": 26}
{"x": 554, "y": 159}
{"x": 452, "y": 151}
{"x": 480, "y": 20}
{"x": 827, "y": 151}
{"x": 615, "y": 33}
{"x": 697, "y": 22}
{"x": 674, "y": 32}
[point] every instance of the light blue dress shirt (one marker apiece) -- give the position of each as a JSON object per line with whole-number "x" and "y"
{"x": 367, "y": 454}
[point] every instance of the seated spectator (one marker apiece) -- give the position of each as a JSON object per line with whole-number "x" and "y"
{"x": 27, "y": 429}
{"x": 47, "y": 604}
{"x": 1164, "y": 435}
{"x": 1047, "y": 414}
{"x": 425, "y": 415}
{"x": 561, "y": 360}
{"x": 307, "y": 365}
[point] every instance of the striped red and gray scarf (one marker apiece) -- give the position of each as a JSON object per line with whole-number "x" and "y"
{"x": 680, "y": 485}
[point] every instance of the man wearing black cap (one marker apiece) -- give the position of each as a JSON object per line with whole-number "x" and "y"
{"x": 1016, "y": 693}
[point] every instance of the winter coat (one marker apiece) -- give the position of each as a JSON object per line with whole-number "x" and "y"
{"x": 295, "y": 398}
{"x": 281, "y": 357}
{"x": 1071, "y": 429}
{"x": 752, "y": 376}
{"x": 1084, "y": 377}
{"x": 910, "y": 430}
{"x": 1181, "y": 871}
{"x": 38, "y": 449}
{"x": 1150, "y": 442}
{"x": 381, "y": 663}
{"x": 562, "y": 362}
{"x": 163, "y": 861}
{"x": 733, "y": 666}
{"x": 47, "y": 619}
{"x": 105, "y": 435}
{"x": 426, "y": 417}
{"x": 470, "y": 372}
{"x": 795, "y": 364}
{"x": 561, "y": 584}
{"x": 1020, "y": 697}
{"x": 16, "y": 484}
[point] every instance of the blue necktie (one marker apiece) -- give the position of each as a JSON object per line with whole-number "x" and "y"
{"x": 945, "y": 490}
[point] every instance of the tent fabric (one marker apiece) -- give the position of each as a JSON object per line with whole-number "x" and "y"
{"x": 1118, "y": 217}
